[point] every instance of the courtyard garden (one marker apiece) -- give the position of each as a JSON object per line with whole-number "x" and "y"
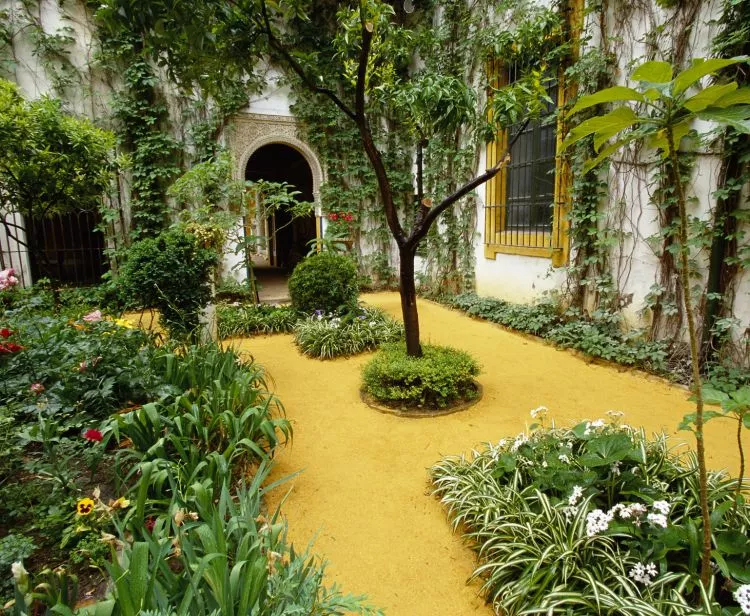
{"x": 388, "y": 438}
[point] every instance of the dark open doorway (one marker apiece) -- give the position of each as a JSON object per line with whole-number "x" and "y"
{"x": 288, "y": 238}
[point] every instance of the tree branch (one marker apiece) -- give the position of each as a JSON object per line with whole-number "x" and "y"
{"x": 421, "y": 230}
{"x": 365, "y": 134}
{"x": 297, "y": 68}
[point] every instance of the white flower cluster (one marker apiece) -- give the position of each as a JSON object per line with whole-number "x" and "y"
{"x": 592, "y": 426}
{"x": 575, "y": 496}
{"x": 539, "y": 412}
{"x": 563, "y": 458}
{"x": 598, "y": 521}
{"x": 644, "y": 574}
{"x": 520, "y": 440}
{"x": 742, "y": 596}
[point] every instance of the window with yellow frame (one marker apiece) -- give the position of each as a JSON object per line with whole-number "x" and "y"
{"x": 525, "y": 204}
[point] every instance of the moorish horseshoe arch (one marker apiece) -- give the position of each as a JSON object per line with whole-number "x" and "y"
{"x": 253, "y": 131}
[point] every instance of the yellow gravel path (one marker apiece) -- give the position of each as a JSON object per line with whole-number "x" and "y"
{"x": 363, "y": 495}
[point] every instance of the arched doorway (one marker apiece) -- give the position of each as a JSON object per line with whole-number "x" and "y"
{"x": 288, "y": 239}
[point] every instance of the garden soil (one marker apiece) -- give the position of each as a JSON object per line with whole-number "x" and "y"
{"x": 363, "y": 496}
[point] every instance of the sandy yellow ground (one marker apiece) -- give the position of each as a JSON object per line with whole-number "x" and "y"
{"x": 363, "y": 495}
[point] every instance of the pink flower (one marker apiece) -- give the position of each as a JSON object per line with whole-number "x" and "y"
{"x": 37, "y": 388}
{"x": 8, "y": 279}
{"x": 93, "y": 435}
{"x": 93, "y": 317}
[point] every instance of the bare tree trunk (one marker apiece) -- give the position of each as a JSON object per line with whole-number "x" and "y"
{"x": 409, "y": 300}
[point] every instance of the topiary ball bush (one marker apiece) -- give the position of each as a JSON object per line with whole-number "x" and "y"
{"x": 325, "y": 281}
{"x": 441, "y": 377}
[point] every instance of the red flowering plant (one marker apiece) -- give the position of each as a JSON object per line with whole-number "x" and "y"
{"x": 341, "y": 223}
{"x": 7, "y": 346}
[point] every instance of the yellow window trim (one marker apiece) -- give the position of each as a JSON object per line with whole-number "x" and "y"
{"x": 495, "y": 190}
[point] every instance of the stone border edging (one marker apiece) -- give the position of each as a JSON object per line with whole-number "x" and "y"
{"x": 419, "y": 414}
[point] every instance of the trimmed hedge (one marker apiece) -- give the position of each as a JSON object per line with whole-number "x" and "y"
{"x": 325, "y": 281}
{"x": 443, "y": 376}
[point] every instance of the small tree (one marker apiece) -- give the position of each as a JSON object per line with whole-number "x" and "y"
{"x": 666, "y": 106}
{"x": 370, "y": 46}
{"x": 50, "y": 162}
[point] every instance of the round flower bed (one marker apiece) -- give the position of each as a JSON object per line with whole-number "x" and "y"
{"x": 441, "y": 378}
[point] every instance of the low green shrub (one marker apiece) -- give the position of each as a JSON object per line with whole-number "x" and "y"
{"x": 595, "y": 519}
{"x": 356, "y": 331}
{"x": 441, "y": 377}
{"x": 611, "y": 344}
{"x": 171, "y": 272}
{"x": 536, "y": 319}
{"x": 77, "y": 370}
{"x": 600, "y": 336}
{"x": 249, "y": 319}
{"x": 325, "y": 281}
{"x": 220, "y": 555}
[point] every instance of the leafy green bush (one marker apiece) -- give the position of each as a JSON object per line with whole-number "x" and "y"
{"x": 363, "y": 329}
{"x": 221, "y": 420}
{"x": 611, "y": 344}
{"x": 77, "y": 370}
{"x": 591, "y": 520}
{"x": 537, "y": 319}
{"x": 599, "y": 337}
{"x": 171, "y": 272}
{"x": 439, "y": 378}
{"x": 325, "y": 281}
{"x": 221, "y": 556}
{"x": 249, "y": 319}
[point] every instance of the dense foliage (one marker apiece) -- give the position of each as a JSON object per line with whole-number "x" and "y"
{"x": 171, "y": 272}
{"x": 599, "y": 336}
{"x": 139, "y": 466}
{"x": 239, "y": 319}
{"x": 594, "y": 519}
{"x": 37, "y": 138}
{"x": 334, "y": 335}
{"x": 324, "y": 281}
{"x": 441, "y": 377}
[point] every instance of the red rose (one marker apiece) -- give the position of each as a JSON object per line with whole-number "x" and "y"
{"x": 10, "y": 347}
{"x": 333, "y": 216}
{"x": 5, "y": 332}
{"x": 93, "y": 435}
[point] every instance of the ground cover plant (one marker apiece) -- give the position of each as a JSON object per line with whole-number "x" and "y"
{"x": 346, "y": 333}
{"x": 135, "y": 471}
{"x": 238, "y": 319}
{"x": 595, "y": 519}
{"x": 441, "y": 377}
{"x": 599, "y": 336}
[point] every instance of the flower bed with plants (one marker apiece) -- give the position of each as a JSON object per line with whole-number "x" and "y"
{"x": 596, "y": 519}
{"x": 441, "y": 378}
{"x": 137, "y": 473}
